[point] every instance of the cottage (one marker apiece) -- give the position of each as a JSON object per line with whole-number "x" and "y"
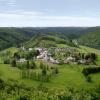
{"x": 22, "y": 60}
{"x": 71, "y": 59}
{"x": 30, "y": 49}
{"x": 23, "y": 48}
{"x": 82, "y": 61}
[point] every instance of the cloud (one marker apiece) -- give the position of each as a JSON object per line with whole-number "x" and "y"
{"x": 25, "y": 13}
{"x": 12, "y": 3}
{"x": 3, "y": 0}
{"x": 20, "y": 18}
{"x": 9, "y": 2}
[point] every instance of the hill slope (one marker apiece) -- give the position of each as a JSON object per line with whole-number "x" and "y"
{"x": 91, "y": 39}
{"x": 49, "y": 40}
{"x": 14, "y": 36}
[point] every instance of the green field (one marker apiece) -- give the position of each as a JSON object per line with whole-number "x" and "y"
{"x": 69, "y": 75}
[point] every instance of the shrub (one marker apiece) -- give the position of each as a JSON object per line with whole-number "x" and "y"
{"x": 88, "y": 79}
{"x": 32, "y": 65}
{"x": 44, "y": 71}
{"x": 87, "y": 71}
{"x": 28, "y": 64}
{"x": 56, "y": 71}
{"x": 41, "y": 65}
{"x": 13, "y": 63}
{"x": 6, "y": 61}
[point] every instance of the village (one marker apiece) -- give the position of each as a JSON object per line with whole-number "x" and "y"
{"x": 59, "y": 56}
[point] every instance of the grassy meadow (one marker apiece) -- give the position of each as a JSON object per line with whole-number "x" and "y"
{"x": 70, "y": 75}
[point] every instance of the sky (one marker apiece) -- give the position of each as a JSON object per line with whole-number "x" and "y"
{"x": 49, "y": 13}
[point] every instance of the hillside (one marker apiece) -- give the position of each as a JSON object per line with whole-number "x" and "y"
{"x": 69, "y": 78}
{"x": 91, "y": 39}
{"x": 13, "y": 36}
{"x": 49, "y": 40}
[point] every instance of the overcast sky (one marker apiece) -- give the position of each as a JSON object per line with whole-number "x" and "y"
{"x": 42, "y": 13}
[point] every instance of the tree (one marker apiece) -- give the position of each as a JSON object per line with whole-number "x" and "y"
{"x": 93, "y": 56}
{"x": 41, "y": 65}
{"x": 16, "y": 56}
{"x": 44, "y": 71}
{"x": 28, "y": 64}
{"x": 83, "y": 56}
{"x": 32, "y": 65}
{"x": 88, "y": 78}
{"x": 6, "y": 61}
{"x": 13, "y": 63}
{"x": 56, "y": 71}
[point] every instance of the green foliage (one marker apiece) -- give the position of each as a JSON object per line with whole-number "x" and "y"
{"x": 56, "y": 70}
{"x": 91, "y": 39}
{"x": 12, "y": 37}
{"x": 12, "y": 90}
{"x": 13, "y": 63}
{"x": 32, "y": 65}
{"x": 44, "y": 71}
{"x": 7, "y": 61}
{"x": 46, "y": 40}
{"x": 90, "y": 70}
{"x": 88, "y": 78}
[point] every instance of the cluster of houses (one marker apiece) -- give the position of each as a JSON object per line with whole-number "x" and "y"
{"x": 45, "y": 55}
{"x": 25, "y": 49}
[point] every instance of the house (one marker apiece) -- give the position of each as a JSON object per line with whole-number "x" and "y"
{"x": 82, "y": 61}
{"x": 30, "y": 49}
{"x": 69, "y": 60}
{"x": 54, "y": 61}
{"x": 21, "y": 60}
{"x": 23, "y": 48}
{"x": 85, "y": 61}
{"x": 44, "y": 55}
{"x": 41, "y": 49}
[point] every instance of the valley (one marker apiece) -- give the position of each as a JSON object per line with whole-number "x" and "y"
{"x": 54, "y": 61}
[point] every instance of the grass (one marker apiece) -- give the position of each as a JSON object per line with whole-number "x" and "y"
{"x": 96, "y": 78}
{"x": 62, "y": 45}
{"x": 85, "y": 49}
{"x": 12, "y": 49}
{"x": 69, "y": 75}
{"x": 8, "y": 72}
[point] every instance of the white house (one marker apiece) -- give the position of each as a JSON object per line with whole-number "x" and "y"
{"x": 23, "y": 48}
{"x": 22, "y": 60}
{"x": 30, "y": 49}
{"x": 69, "y": 59}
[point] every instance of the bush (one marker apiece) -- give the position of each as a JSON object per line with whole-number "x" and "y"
{"x": 41, "y": 65}
{"x": 24, "y": 97}
{"x": 14, "y": 91}
{"x": 13, "y": 63}
{"x": 56, "y": 71}
{"x": 32, "y": 65}
{"x": 87, "y": 71}
{"x": 6, "y": 61}
{"x": 88, "y": 79}
{"x": 22, "y": 65}
{"x": 44, "y": 71}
